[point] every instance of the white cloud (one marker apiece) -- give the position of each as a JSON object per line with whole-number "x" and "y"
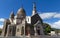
{"x": 57, "y": 15}
{"x": 55, "y": 24}
{"x": 1, "y": 22}
{"x": 2, "y": 19}
{"x": 52, "y": 15}
{"x": 49, "y": 15}
{"x": 1, "y": 26}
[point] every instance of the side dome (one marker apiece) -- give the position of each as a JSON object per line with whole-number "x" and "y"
{"x": 21, "y": 11}
{"x": 12, "y": 15}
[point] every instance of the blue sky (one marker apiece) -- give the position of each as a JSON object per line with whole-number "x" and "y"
{"x": 49, "y": 10}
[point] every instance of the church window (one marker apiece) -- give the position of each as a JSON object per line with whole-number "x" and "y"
{"x": 28, "y": 19}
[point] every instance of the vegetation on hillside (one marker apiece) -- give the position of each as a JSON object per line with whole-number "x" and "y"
{"x": 47, "y": 28}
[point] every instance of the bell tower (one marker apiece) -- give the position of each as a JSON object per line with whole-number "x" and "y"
{"x": 20, "y": 21}
{"x": 34, "y": 9}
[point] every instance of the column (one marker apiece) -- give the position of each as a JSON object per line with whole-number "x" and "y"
{"x": 35, "y": 31}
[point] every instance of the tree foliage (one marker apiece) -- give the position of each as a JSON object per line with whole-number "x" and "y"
{"x": 0, "y": 31}
{"x": 47, "y": 28}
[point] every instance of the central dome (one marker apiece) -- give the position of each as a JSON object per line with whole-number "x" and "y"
{"x": 21, "y": 11}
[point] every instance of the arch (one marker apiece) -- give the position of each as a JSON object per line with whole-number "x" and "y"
{"x": 22, "y": 30}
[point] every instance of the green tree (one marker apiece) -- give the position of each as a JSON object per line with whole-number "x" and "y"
{"x": 0, "y": 31}
{"x": 47, "y": 28}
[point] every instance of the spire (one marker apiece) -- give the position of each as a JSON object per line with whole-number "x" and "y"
{"x": 34, "y": 6}
{"x": 12, "y": 15}
{"x": 34, "y": 9}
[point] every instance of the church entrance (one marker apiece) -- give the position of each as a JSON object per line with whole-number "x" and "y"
{"x": 27, "y": 31}
{"x": 11, "y": 31}
{"x": 38, "y": 30}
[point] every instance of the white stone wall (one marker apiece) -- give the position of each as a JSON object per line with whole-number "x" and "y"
{"x": 28, "y": 19}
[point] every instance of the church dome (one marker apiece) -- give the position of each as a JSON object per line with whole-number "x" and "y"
{"x": 21, "y": 11}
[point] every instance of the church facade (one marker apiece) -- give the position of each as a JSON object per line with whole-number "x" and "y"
{"x": 20, "y": 24}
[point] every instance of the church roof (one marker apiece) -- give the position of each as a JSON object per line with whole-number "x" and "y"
{"x": 35, "y": 18}
{"x": 21, "y": 11}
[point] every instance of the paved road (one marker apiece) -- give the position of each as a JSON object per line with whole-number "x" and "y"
{"x": 35, "y": 37}
{"x": 45, "y": 36}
